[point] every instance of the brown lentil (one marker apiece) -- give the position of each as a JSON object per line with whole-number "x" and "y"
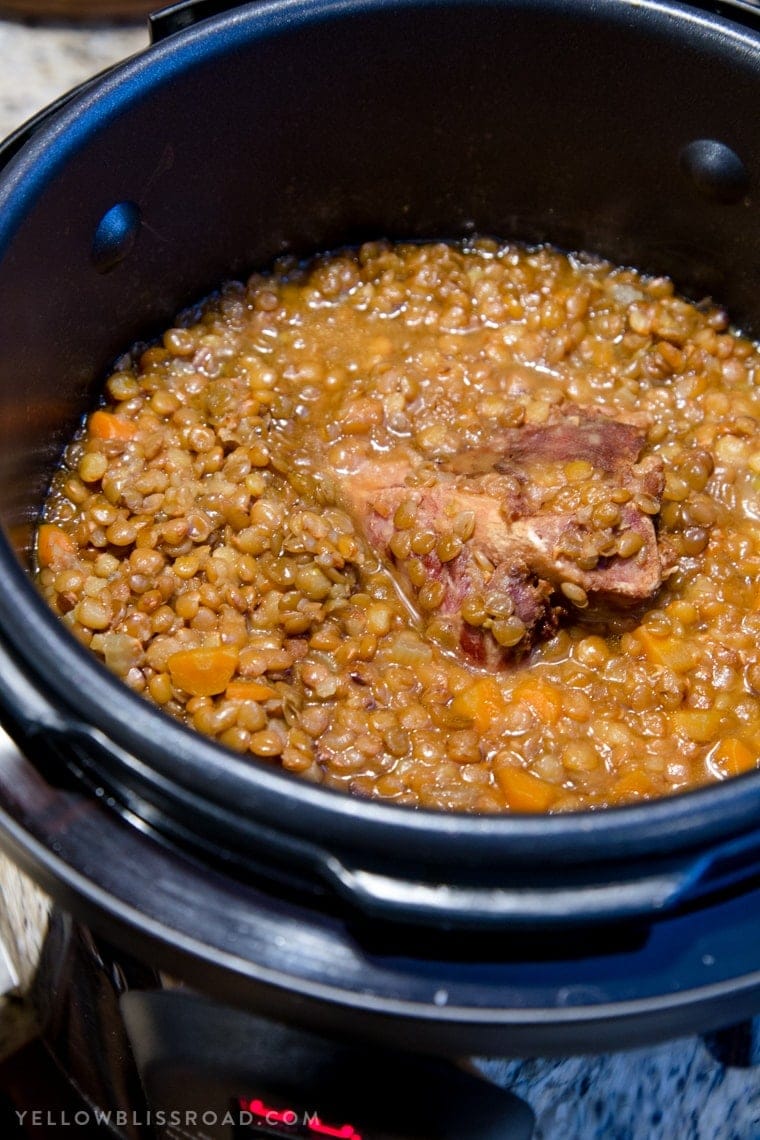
{"x": 629, "y": 543}
{"x": 194, "y": 518}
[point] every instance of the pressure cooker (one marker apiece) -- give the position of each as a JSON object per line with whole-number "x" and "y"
{"x": 621, "y": 127}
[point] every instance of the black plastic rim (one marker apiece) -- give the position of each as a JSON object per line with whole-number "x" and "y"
{"x": 245, "y": 948}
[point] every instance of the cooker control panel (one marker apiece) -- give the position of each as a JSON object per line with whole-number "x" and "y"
{"x": 211, "y": 1072}
{"x": 255, "y": 1117}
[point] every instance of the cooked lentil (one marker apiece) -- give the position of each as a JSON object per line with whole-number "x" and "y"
{"x": 196, "y": 540}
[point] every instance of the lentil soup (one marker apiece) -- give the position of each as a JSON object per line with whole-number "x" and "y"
{"x": 472, "y": 527}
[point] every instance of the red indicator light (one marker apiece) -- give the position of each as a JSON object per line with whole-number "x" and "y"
{"x": 272, "y": 1115}
{"x": 303, "y": 1124}
{"x": 345, "y": 1132}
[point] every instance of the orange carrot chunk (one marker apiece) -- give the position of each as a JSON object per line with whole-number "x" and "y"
{"x": 542, "y": 698}
{"x": 632, "y": 784}
{"x": 482, "y": 703}
{"x": 55, "y": 548}
{"x": 732, "y": 756}
{"x": 106, "y": 425}
{"x": 249, "y": 691}
{"x": 524, "y": 791}
{"x": 700, "y": 725}
{"x": 202, "y": 672}
{"x": 675, "y": 653}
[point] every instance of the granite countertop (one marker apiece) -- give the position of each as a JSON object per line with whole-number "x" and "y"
{"x": 675, "y": 1090}
{"x": 42, "y": 61}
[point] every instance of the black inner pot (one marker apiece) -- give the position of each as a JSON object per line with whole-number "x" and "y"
{"x": 626, "y": 129}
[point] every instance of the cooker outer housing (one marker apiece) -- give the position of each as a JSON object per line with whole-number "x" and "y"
{"x": 623, "y": 129}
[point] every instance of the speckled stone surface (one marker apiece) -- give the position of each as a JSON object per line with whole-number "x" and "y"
{"x": 23, "y": 919}
{"x": 675, "y": 1091}
{"x": 42, "y": 61}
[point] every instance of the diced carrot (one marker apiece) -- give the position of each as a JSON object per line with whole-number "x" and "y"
{"x": 55, "y": 548}
{"x": 700, "y": 725}
{"x": 673, "y": 652}
{"x": 249, "y": 691}
{"x": 733, "y": 756}
{"x": 632, "y": 784}
{"x": 106, "y": 425}
{"x": 542, "y": 697}
{"x": 524, "y": 791}
{"x": 482, "y": 703}
{"x": 203, "y": 672}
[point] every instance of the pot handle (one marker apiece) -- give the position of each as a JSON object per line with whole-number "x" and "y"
{"x": 166, "y": 21}
{"x": 455, "y": 905}
{"x": 635, "y": 894}
{"x": 185, "y": 13}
